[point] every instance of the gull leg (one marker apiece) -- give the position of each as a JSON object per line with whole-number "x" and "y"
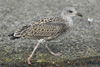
{"x": 55, "y": 54}
{"x": 29, "y": 58}
{"x": 39, "y": 42}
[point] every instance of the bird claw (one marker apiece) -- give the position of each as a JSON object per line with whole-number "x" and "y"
{"x": 28, "y": 60}
{"x": 58, "y": 54}
{"x": 29, "y": 63}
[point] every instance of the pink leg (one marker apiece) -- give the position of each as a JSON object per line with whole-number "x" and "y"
{"x": 29, "y": 58}
{"x": 55, "y": 54}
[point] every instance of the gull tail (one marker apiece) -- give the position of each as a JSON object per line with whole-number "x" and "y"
{"x": 12, "y": 37}
{"x": 17, "y": 34}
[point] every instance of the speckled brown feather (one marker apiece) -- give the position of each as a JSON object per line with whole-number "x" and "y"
{"x": 39, "y": 31}
{"x": 43, "y": 29}
{"x": 51, "y": 19}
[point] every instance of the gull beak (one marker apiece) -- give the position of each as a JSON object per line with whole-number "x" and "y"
{"x": 79, "y": 14}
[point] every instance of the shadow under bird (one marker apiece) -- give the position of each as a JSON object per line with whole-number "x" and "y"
{"x": 47, "y": 29}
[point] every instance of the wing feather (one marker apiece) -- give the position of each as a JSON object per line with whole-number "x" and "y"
{"x": 43, "y": 30}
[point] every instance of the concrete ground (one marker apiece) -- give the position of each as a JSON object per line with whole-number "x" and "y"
{"x": 82, "y": 41}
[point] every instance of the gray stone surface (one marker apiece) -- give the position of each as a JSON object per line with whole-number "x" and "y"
{"x": 82, "y": 41}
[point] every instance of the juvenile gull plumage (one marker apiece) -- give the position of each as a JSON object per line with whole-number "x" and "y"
{"x": 47, "y": 29}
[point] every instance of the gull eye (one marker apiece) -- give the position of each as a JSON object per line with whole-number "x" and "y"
{"x": 70, "y": 11}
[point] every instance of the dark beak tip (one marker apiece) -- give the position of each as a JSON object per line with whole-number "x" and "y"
{"x": 79, "y": 14}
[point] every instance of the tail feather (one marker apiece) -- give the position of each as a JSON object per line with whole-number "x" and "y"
{"x": 12, "y": 37}
{"x": 17, "y": 33}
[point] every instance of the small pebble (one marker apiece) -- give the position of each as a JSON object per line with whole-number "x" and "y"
{"x": 90, "y": 20}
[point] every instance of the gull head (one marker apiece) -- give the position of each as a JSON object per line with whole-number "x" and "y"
{"x": 69, "y": 12}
